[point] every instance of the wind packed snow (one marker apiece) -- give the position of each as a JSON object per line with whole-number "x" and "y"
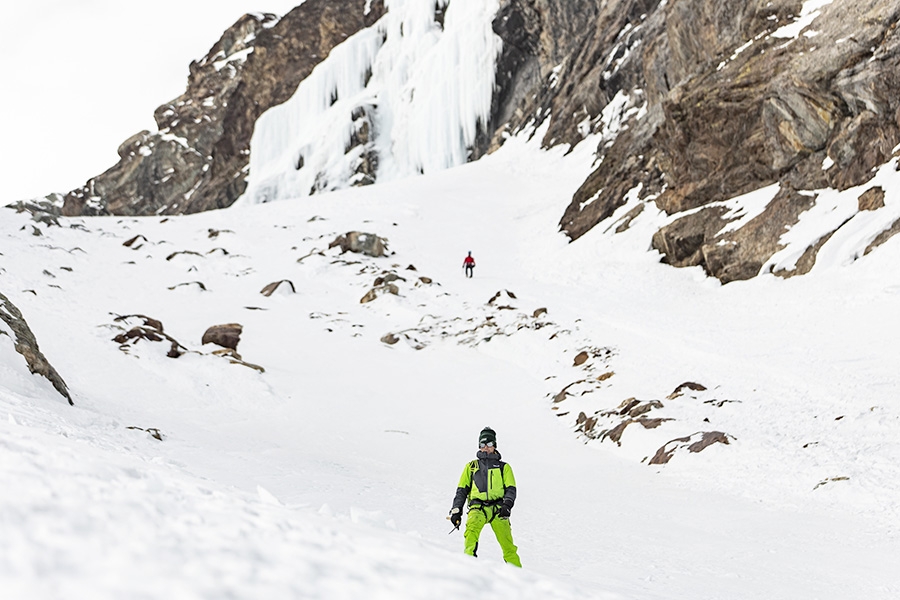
{"x": 808, "y": 14}
{"x": 330, "y": 473}
{"x": 839, "y": 212}
{"x": 420, "y": 88}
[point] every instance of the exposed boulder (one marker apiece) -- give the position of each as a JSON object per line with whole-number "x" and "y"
{"x": 361, "y": 243}
{"x": 375, "y": 292}
{"x": 25, "y": 344}
{"x": 227, "y": 335}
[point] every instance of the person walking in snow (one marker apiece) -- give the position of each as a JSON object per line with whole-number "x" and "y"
{"x": 490, "y": 488}
{"x": 469, "y": 264}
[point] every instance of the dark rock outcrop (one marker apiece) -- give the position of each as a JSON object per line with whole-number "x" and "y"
{"x": 199, "y": 158}
{"x": 696, "y": 102}
{"x": 727, "y": 105}
{"x": 25, "y": 344}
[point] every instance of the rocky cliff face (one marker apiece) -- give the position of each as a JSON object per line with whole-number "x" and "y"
{"x": 701, "y": 101}
{"x": 199, "y": 158}
{"x": 696, "y": 102}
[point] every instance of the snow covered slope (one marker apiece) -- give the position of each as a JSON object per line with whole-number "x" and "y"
{"x": 329, "y": 475}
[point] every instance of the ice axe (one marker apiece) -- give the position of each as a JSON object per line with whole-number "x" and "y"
{"x": 455, "y": 527}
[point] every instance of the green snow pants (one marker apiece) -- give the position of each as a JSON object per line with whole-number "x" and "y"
{"x": 476, "y": 521}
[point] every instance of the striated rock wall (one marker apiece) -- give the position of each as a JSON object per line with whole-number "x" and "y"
{"x": 696, "y": 102}
{"x": 731, "y": 100}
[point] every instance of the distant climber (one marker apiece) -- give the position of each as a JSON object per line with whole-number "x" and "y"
{"x": 469, "y": 265}
{"x": 490, "y": 488}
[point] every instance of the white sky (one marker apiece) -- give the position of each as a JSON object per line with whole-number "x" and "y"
{"x": 82, "y": 76}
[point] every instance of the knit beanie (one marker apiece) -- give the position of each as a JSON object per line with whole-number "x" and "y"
{"x": 487, "y": 435}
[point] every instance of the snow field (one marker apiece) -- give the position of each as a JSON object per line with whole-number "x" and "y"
{"x": 326, "y": 473}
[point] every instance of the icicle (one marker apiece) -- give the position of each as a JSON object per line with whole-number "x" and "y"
{"x": 424, "y": 88}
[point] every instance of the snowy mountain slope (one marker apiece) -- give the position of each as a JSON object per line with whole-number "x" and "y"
{"x": 330, "y": 474}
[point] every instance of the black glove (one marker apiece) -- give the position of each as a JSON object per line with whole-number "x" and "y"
{"x": 456, "y": 517}
{"x": 504, "y": 511}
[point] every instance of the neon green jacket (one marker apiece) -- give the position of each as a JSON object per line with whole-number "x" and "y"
{"x": 487, "y": 481}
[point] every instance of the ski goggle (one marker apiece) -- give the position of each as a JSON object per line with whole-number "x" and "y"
{"x": 488, "y": 444}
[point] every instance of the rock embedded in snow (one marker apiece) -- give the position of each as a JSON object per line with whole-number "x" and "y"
{"x": 387, "y": 278}
{"x": 199, "y": 284}
{"x": 25, "y": 344}
{"x": 361, "y": 243}
{"x": 693, "y": 443}
{"x": 687, "y": 385}
{"x": 884, "y": 236}
{"x": 150, "y": 330}
{"x": 587, "y": 425}
{"x": 183, "y": 253}
{"x": 147, "y": 321}
{"x": 374, "y": 293}
{"x": 214, "y": 233}
{"x": 227, "y": 335}
{"x": 135, "y": 242}
{"x": 151, "y": 432}
{"x": 504, "y": 295}
{"x": 284, "y": 285}
{"x": 390, "y": 339}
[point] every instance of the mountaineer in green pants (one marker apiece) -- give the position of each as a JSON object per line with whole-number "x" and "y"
{"x": 490, "y": 488}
